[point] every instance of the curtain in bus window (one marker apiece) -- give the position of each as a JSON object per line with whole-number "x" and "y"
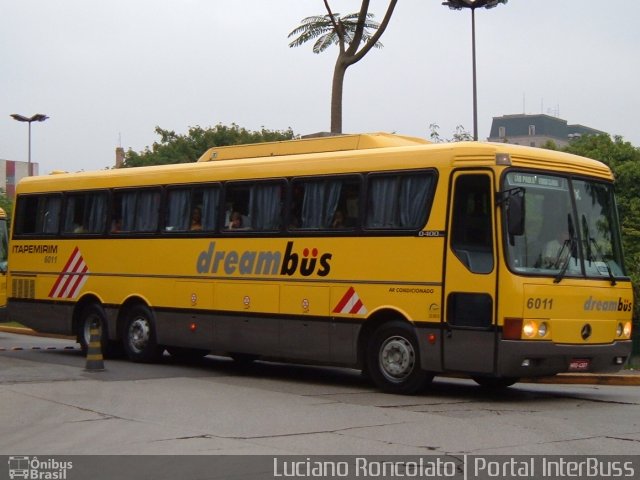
{"x": 148, "y": 205}
{"x": 210, "y": 206}
{"x": 178, "y": 215}
{"x": 265, "y": 207}
{"x": 94, "y": 213}
{"x": 383, "y": 205}
{"x": 414, "y": 193}
{"x": 320, "y": 203}
{"x": 128, "y": 212}
{"x": 72, "y": 207}
{"x": 48, "y": 215}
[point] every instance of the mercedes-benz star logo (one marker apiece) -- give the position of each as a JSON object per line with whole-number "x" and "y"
{"x": 585, "y": 333}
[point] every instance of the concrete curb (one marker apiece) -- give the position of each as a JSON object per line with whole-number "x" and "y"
{"x": 28, "y": 331}
{"x": 621, "y": 379}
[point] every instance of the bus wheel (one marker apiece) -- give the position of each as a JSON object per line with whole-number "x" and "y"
{"x": 393, "y": 359}
{"x": 494, "y": 382}
{"x": 92, "y": 315}
{"x": 140, "y": 336}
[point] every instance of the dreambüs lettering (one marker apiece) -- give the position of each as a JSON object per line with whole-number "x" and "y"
{"x": 251, "y": 262}
{"x": 621, "y": 305}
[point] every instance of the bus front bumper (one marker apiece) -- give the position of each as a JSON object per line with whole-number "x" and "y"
{"x": 520, "y": 358}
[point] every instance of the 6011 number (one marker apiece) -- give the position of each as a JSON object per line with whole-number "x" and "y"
{"x": 537, "y": 303}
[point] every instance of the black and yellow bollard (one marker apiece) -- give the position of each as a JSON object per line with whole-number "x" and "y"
{"x": 95, "y": 362}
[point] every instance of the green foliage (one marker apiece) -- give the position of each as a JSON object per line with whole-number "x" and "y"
{"x": 6, "y": 204}
{"x": 624, "y": 160}
{"x": 322, "y": 28}
{"x": 185, "y": 148}
{"x": 460, "y": 135}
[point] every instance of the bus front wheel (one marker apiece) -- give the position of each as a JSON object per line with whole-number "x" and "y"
{"x": 393, "y": 359}
{"x": 140, "y": 336}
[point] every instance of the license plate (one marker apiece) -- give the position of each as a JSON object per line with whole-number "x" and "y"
{"x": 579, "y": 365}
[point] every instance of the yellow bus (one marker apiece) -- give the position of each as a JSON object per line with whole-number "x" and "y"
{"x": 386, "y": 253}
{"x": 4, "y": 249}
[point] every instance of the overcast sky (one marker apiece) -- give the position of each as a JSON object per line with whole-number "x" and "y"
{"x": 107, "y": 72}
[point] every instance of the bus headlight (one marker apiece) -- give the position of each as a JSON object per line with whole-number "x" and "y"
{"x": 543, "y": 329}
{"x": 619, "y": 330}
{"x": 529, "y": 328}
{"x": 626, "y": 330}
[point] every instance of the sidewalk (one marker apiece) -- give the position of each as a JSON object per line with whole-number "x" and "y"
{"x": 626, "y": 377}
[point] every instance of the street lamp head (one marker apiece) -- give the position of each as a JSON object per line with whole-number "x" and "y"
{"x": 472, "y": 4}
{"x": 38, "y": 117}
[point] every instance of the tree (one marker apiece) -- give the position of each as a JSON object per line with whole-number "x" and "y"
{"x": 460, "y": 135}
{"x": 6, "y": 203}
{"x": 179, "y": 148}
{"x": 624, "y": 160}
{"x": 349, "y": 32}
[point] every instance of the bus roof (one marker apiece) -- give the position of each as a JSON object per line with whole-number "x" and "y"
{"x": 366, "y": 152}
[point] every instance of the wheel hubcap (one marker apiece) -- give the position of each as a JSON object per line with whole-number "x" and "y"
{"x": 397, "y": 358}
{"x": 139, "y": 333}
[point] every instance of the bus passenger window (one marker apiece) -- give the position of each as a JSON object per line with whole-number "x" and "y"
{"x": 38, "y": 214}
{"x": 85, "y": 213}
{"x": 326, "y": 203}
{"x": 255, "y": 206}
{"x": 136, "y": 210}
{"x": 399, "y": 201}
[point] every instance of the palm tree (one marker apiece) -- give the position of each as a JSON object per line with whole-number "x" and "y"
{"x": 348, "y": 32}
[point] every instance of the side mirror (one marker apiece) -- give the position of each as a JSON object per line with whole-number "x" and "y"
{"x": 515, "y": 212}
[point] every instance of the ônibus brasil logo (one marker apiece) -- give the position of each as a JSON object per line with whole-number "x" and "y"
{"x": 38, "y": 469}
{"x": 307, "y": 262}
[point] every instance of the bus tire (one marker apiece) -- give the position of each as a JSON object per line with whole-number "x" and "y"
{"x": 494, "y": 383}
{"x": 92, "y": 314}
{"x": 393, "y": 359}
{"x": 139, "y": 338}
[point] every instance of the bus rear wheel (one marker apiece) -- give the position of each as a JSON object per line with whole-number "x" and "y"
{"x": 140, "y": 336}
{"x": 393, "y": 359}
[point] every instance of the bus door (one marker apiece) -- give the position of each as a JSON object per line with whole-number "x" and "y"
{"x": 470, "y": 275}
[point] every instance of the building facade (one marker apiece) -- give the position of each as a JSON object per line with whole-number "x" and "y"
{"x": 536, "y": 130}
{"x": 11, "y": 172}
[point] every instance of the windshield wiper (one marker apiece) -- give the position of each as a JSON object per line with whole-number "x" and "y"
{"x": 600, "y": 255}
{"x": 570, "y": 243}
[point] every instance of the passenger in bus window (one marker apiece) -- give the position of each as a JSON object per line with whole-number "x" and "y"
{"x": 235, "y": 221}
{"x": 196, "y": 219}
{"x": 116, "y": 225}
{"x": 338, "y": 220}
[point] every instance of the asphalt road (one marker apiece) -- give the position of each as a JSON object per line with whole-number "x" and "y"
{"x": 50, "y": 405}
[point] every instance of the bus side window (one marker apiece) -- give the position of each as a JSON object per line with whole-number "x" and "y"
{"x": 326, "y": 203}
{"x": 85, "y": 213}
{"x": 471, "y": 230}
{"x": 38, "y": 214}
{"x": 399, "y": 201}
{"x": 136, "y": 211}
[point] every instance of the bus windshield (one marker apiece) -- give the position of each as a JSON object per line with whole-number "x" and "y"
{"x": 570, "y": 228}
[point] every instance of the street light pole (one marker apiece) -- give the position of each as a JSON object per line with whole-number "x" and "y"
{"x": 38, "y": 117}
{"x": 472, "y": 5}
